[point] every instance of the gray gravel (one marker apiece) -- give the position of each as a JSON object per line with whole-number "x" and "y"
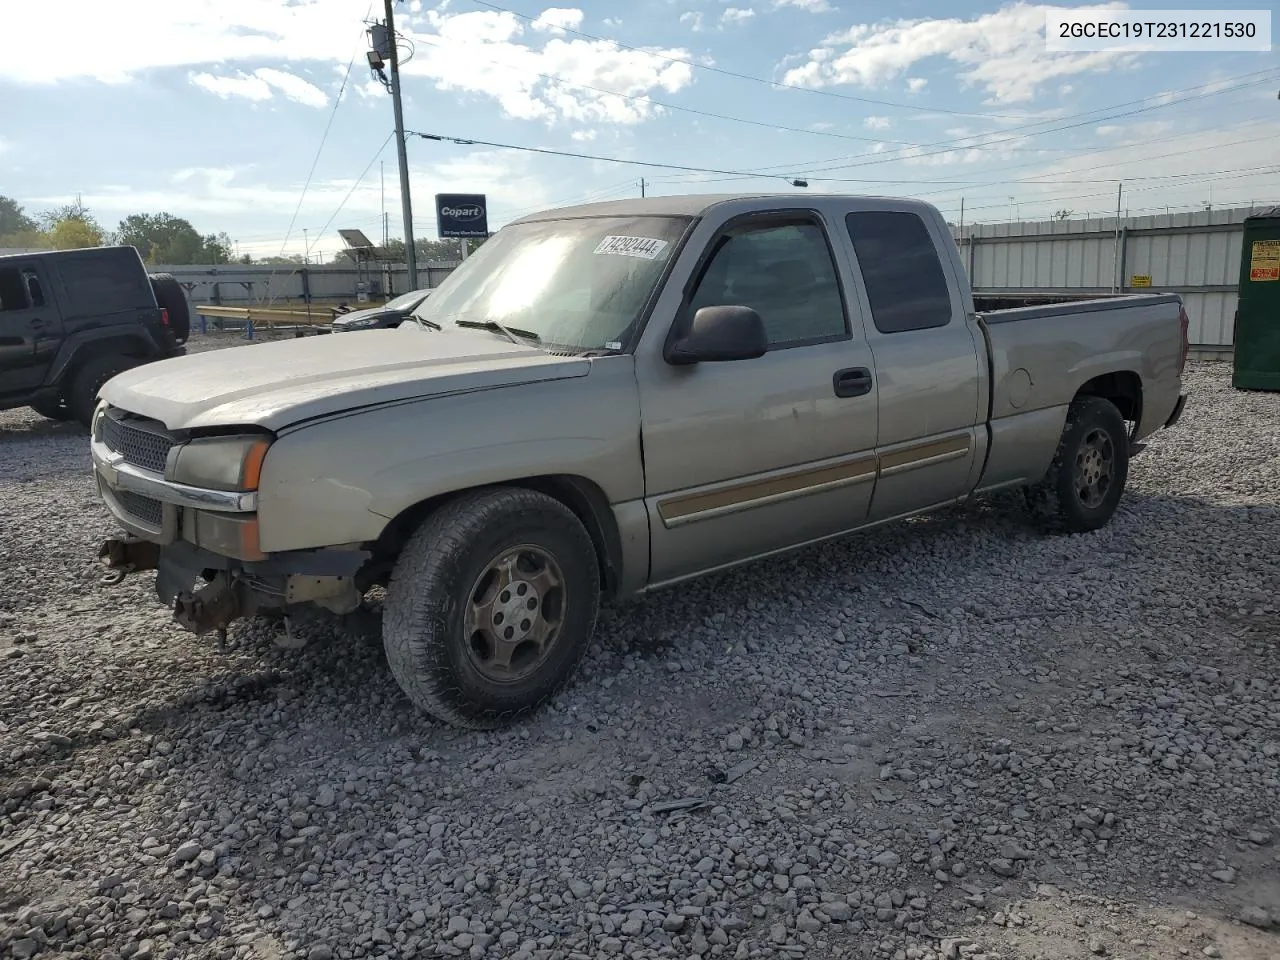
{"x": 950, "y": 738}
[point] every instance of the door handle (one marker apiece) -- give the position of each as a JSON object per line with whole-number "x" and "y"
{"x": 852, "y": 382}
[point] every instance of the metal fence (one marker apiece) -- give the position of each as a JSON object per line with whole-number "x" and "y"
{"x": 1196, "y": 255}
{"x": 236, "y": 285}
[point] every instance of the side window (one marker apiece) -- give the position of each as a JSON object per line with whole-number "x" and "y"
{"x": 13, "y": 292}
{"x": 900, "y": 266}
{"x": 103, "y": 284}
{"x": 785, "y": 273}
{"x": 34, "y": 291}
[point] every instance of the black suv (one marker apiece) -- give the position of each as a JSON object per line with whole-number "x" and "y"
{"x": 70, "y": 320}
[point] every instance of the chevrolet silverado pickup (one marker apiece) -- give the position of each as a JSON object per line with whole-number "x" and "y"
{"x": 608, "y": 399}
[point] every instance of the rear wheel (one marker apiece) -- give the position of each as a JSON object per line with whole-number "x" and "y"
{"x": 88, "y": 381}
{"x": 55, "y": 409}
{"x": 1083, "y": 487}
{"x": 491, "y": 606}
{"x": 171, "y": 296}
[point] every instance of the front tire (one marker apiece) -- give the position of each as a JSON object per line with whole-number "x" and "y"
{"x": 1082, "y": 489}
{"x": 55, "y": 409}
{"x": 82, "y": 397}
{"x": 491, "y": 606}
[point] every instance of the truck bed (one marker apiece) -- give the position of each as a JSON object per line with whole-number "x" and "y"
{"x": 1039, "y": 355}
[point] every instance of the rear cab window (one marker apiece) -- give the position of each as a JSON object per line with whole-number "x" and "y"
{"x": 906, "y": 287}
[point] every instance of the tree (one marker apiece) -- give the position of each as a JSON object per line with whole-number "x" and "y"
{"x": 1062, "y": 214}
{"x": 13, "y": 219}
{"x": 164, "y": 238}
{"x": 74, "y": 233}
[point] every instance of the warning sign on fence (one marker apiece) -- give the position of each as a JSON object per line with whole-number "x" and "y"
{"x": 1264, "y": 264}
{"x": 1140, "y": 280}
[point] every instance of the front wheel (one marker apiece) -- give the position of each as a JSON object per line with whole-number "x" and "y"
{"x": 1084, "y": 484}
{"x": 491, "y": 606}
{"x": 55, "y": 409}
{"x": 82, "y": 396}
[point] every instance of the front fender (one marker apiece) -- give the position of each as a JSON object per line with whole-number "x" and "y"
{"x": 341, "y": 480}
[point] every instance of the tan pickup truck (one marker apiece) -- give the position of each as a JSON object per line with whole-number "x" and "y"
{"x": 610, "y": 399}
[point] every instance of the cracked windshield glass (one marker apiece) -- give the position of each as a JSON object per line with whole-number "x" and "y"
{"x": 573, "y": 284}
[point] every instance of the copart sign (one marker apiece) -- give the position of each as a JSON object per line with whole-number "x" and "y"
{"x": 461, "y": 215}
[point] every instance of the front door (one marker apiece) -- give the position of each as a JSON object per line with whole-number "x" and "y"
{"x": 748, "y": 457}
{"x": 29, "y": 327}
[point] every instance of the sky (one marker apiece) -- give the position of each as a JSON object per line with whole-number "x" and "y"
{"x": 261, "y": 118}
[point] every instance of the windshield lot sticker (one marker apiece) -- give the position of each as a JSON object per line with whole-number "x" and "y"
{"x": 1265, "y": 263}
{"x": 646, "y": 248}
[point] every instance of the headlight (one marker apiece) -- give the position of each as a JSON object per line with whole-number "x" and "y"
{"x": 358, "y": 324}
{"x": 95, "y": 425}
{"x": 220, "y": 463}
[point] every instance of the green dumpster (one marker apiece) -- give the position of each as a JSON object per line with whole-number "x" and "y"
{"x": 1257, "y": 337}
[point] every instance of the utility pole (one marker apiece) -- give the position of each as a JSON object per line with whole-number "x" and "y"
{"x": 306, "y": 245}
{"x": 393, "y": 61}
{"x": 642, "y": 186}
{"x": 1115, "y": 252}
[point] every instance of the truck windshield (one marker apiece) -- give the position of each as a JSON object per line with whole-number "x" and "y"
{"x": 575, "y": 284}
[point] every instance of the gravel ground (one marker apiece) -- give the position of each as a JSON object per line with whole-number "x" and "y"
{"x": 953, "y": 737}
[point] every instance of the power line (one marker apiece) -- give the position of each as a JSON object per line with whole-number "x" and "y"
{"x": 915, "y": 180}
{"x": 587, "y": 156}
{"x": 323, "y": 139}
{"x": 777, "y": 84}
{"x": 822, "y": 166}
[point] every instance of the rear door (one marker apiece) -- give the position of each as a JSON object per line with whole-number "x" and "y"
{"x": 30, "y": 329}
{"x": 749, "y": 457}
{"x": 926, "y": 361}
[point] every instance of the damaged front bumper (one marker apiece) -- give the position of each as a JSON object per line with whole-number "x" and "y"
{"x": 208, "y": 592}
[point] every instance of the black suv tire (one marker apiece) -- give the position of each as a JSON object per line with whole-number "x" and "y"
{"x": 55, "y": 409}
{"x": 82, "y": 396}
{"x": 171, "y": 296}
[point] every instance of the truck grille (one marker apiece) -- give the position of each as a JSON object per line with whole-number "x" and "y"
{"x": 143, "y": 443}
{"x": 150, "y": 512}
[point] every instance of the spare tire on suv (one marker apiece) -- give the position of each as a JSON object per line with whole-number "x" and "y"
{"x": 171, "y": 297}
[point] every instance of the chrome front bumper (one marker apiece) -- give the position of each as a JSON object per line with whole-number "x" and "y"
{"x": 119, "y": 482}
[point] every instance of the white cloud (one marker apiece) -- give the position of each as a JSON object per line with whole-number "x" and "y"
{"x": 877, "y": 123}
{"x": 693, "y": 18}
{"x": 240, "y": 85}
{"x": 1003, "y": 52}
{"x": 809, "y": 6}
{"x": 480, "y": 52}
{"x": 916, "y": 84}
{"x": 555, "y": 19}
{"x": 262, "y": 85}
{"x": 583, "y": 136}
{"x": 247, "y": 48}
{"x": 737, "y": 15}
{"x": 1108, "y": 130}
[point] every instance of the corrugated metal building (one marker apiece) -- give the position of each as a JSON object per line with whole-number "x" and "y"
{"x": 1194, "y": 254}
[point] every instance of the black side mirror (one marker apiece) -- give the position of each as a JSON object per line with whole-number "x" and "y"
{"x": 718, "y": 334}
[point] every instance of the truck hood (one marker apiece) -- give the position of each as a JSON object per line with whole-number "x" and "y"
{"x": 273, "y": 385}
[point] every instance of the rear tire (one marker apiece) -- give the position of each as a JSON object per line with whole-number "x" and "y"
{"x": 1082, "y": 489}
{"x": 55, "y": 409}
{"x": 491, "y": 606}
{"x": 171, "y": 296}
{"x": 88, "y": 381}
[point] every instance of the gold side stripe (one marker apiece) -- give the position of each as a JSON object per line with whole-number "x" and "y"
{"x": 714, "y": 502}
{"x": 910, "y": 456}
{"x": 675, "y": 511}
